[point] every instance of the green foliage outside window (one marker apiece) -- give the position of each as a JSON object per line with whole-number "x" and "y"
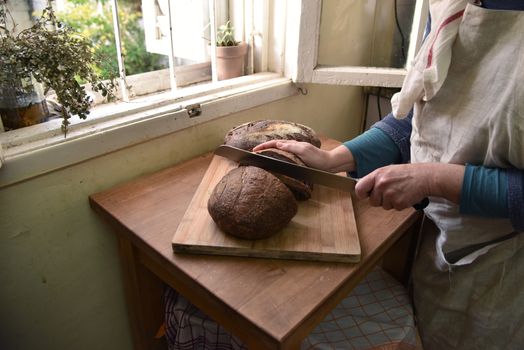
{"x": 93, "y": 19}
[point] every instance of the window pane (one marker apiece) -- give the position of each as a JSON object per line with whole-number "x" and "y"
{"x": 190, "y": 33}
{"x": 93, "y": 19}
{"x": 137, "y": 58}
{"x": 145, "y": 30}
{"x": 380, "y": 30}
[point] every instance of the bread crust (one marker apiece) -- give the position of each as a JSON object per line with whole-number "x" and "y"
{"x": 251, "y": 203}
{"x": 251, "y": 134}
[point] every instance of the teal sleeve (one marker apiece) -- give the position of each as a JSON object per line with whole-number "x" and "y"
{"x": 371, "y": 150}
{"x": 484, "y": 192}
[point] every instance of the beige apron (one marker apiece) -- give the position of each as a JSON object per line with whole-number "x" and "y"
{"x": 477, "y": 117}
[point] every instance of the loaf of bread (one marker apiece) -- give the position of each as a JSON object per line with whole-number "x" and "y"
{"x": 249, "y": 202}
{"x": 252, "y": 203}
{"x": 248, "y": 135}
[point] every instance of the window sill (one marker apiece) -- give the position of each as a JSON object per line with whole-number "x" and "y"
{"x": 40, "y": 149}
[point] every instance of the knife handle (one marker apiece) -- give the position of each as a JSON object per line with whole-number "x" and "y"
{"x": 422, "y": 204}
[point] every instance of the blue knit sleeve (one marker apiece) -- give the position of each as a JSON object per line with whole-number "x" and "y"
{"x": 399, "y": 130}
{"x": 387, "y": 142}
{"x": 494, "y": 192}
{"x": 371, "y": 150}
{"x": 484, "y": 192}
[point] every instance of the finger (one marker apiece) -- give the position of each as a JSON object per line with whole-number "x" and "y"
{"x": 375, "y": 199}
{"x": 267, "y": 144}
{"x": 364, "y": 186}
{"x": 389, "y": 200}
{"x": 290, "y": 146}
{"x": 387, "y": 205}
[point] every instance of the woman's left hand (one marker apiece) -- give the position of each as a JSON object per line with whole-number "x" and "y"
{"x": 401, "y": 186}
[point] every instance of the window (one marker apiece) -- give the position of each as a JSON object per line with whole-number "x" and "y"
{"x": 377, "y": 65}
{"x": 285, "y": 46}
{"x": 180, "y": 90}
{"x": 169, "y": 43}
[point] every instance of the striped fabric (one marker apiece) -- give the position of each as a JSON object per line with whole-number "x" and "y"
{"x": 376, "y": 315}
{"x": 429, "y": 69}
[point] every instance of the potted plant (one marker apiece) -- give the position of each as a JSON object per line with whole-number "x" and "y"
{"x": 47, "y": 56}
{"x": 229, "y": 52}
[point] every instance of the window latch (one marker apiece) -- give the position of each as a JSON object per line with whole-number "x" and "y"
{"x": 194, "y": 110}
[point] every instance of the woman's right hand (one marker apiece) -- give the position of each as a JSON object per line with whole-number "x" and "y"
{"x": 336, "y": 160}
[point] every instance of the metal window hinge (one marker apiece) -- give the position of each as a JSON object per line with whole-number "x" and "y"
{"x": 194, "y": 110}
{"x": 302, "y": 89}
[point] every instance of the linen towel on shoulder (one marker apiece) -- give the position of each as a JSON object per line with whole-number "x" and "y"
{"x": 430, "y": 67}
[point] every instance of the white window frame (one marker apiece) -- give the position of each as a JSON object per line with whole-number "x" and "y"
{"x": 308, "y": 70}
{"x": 39, "y": 149}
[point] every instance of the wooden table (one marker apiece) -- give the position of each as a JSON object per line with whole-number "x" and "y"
{"x": 267, "y": 303}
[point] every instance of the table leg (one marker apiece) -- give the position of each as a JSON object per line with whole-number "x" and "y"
{"x": 144, "y": 294}
{"x": 398, "y": 260}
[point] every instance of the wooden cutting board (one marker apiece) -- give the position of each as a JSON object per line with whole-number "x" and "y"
{"x": 323, "y": 229}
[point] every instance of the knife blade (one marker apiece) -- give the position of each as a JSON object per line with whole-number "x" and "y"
{"x": 290, "y": 169}
{"x": 344, "y": 183}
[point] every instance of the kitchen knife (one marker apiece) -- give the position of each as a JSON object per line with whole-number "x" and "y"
{"x": 293, "y": 170}
{"x": 344, "y": 183}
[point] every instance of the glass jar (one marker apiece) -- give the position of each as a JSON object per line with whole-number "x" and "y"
{"x": 22, "y": 103}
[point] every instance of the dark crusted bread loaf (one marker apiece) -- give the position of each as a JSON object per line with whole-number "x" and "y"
{"x": 248, "y": 135}
{"x": 249, "y": 202}
{"x": 301, "y": 189}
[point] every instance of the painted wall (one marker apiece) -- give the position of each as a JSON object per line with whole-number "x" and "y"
{"x": 375, "y": 39}
{"x": 60, "y": 282}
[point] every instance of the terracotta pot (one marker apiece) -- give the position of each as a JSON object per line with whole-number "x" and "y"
{"x": 230, "y": 61}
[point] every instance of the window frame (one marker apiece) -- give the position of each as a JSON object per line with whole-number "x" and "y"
{"x": 43, "y": 148}
{"x": 309, "y": 71}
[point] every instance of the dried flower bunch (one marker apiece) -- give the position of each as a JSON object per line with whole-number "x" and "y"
{"x": 54, "y": 55}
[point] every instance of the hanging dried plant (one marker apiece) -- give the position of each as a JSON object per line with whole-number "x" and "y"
{"x": 54, "y": 55}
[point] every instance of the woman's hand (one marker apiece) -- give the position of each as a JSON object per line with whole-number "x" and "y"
{"x": 336, "y": 160}
{"x": 401, "y": 186}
